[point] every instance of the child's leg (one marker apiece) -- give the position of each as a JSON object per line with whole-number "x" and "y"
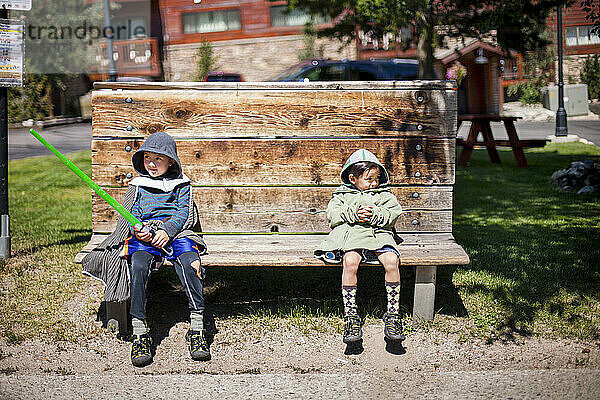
{"x": 140, "y": 266}
{"x": 188, "y": 268}
{"x": 352, "y": 329}
{"x": 391, "y": 263}
{"x": 351, "y": 261}
{"x": 392, "y": 321}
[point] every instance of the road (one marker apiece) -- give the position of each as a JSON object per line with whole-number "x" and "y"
{"x": 73, "y": 137}
{"x": 586, "y": 129}
{"x": 66, "y": 138}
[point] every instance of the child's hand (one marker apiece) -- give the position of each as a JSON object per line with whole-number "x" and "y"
{"x": 364, "y": 214}
{"x": 160, "y": 239}
{"x": 143, "y": 236}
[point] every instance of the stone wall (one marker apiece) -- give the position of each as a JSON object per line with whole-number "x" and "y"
{"x": 572, "y": 66}
{"x": 256, "y": 59}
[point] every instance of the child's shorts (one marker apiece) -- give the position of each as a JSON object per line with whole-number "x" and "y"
{"x": 179, "y": 246}
{"x": 368, "y": 256}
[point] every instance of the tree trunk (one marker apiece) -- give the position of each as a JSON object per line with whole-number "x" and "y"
{"x": 424, "y": 47}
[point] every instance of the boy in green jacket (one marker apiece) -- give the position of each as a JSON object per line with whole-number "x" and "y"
{"x": 362, "y": 213}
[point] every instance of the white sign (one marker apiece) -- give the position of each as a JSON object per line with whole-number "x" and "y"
{"x": 11, "y": 52}
{"x": 16, "y": 4}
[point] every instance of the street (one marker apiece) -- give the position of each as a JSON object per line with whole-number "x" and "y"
{"x": 66, "y": 138}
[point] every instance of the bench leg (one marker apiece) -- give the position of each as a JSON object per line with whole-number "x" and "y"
{"x": 117, "y": 317}
{"x": 490, "y": 144}
{"x": 424, "y": 293}
{"x": 515, "y": 144}
{"x": 465, "y": 154}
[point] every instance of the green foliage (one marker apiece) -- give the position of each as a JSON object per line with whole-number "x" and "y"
{"x": 310, "y": 50}
{"x": 590, "y": 75}
{"x": 520, "y": 24}
{"x": 32, "y": 101}
{"x": 206, "y": 60}
{"x": 538, "y": 74}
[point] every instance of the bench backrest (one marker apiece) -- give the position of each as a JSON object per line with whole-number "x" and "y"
{"x": 265, "y": 157}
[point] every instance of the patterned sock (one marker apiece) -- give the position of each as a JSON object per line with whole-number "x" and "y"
{"x": 393, "y": 297}
{"x": 349, "y": 297}
{"x": 139, "y": 326}
{"x": 197, "y": 320}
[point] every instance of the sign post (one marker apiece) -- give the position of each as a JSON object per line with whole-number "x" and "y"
{"x": 11, "y": 74}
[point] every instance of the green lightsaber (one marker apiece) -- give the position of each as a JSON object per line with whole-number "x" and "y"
{"x": 136, "y": 223}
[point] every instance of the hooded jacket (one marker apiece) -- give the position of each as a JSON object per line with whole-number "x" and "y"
{"x": 104, "y": 262}
{"x": 347, "y": 232}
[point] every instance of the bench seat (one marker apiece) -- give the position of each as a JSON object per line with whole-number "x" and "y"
{"x": 279, "y": 250}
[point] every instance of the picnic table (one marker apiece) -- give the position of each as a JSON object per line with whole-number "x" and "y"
{"x": 481, "y": 123}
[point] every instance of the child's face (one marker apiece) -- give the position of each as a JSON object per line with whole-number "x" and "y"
{"x": 156, "y": 164}
{"x": 367, "y": 180}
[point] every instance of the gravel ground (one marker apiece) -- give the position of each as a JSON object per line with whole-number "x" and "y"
{"x": 251, "y": 359}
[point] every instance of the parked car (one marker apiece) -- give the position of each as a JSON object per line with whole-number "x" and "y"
{"x": 223, "y": 77}
{"x": 347, "y": 70}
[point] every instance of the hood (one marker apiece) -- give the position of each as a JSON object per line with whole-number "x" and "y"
{"x": 363, "y": 155}
{"x": 160, "y": 143}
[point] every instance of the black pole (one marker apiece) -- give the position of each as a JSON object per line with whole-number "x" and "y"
{"x": 4, "y": 216}
{"x": 112, "y": 69}
{"x": 561, "y": 113}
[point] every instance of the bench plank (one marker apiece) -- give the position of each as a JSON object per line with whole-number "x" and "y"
{"x": 259, "y": 113}
{"x": 291, "y": 222}
{"x": 297, "y": 250}
{"x": 284, "y": 162}
{"x": 290, "y": 209}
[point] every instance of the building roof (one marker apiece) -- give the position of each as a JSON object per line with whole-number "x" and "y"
{"x": 449, "y": 54}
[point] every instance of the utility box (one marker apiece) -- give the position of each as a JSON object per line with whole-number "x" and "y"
{"x": 575, "y": 97}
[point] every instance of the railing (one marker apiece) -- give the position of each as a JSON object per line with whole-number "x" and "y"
{"x": 136, "y": 57}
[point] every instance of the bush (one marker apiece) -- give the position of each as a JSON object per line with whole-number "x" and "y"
{"x": 528, "y": 92}
{"x": 590, "y": 75}
{"x": 32, "y": 101}
{"x": 206, "y": 60}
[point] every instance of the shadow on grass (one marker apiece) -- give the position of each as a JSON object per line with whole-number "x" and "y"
{"x": 534, "y": 249}
{"x": 77, "y": 239}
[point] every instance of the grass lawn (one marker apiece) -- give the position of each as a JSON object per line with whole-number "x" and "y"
{"x": 534, "y": 260}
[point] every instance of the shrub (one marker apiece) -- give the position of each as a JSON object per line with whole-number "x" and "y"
{"x": 32, "y": 101}
{"x": 590, "y": 75}
{"x": 206, "y": 60}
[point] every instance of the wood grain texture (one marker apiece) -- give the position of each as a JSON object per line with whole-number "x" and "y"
{"x": 297, "y": 250}
{"x": 274, "y": 113}
{"x": 262, "y": 162}
{"x": 290, "y": 209}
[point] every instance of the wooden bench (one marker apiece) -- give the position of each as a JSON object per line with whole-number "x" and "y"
{"x": 264, "y": 159}
{"x": 480, "y": 123}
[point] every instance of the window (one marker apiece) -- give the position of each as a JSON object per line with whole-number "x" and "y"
{"x": 211, "y": 21}
{"x": 580, "y": 36}
{"x": 280, "y": 16}
{"x": 335, "y": 72}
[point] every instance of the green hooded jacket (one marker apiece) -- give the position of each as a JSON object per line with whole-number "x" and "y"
{"x": 347, "y": 232}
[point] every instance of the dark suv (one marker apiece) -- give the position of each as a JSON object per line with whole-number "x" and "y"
{"x": 346, "y": 70}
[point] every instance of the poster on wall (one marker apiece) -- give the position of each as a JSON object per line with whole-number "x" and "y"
{"x": 24, "y": 5}
{"x": 11, "y": 52}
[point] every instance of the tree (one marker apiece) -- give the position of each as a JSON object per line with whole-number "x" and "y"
{"x": 592, "y": 10}
{"x": 519, "y": 24}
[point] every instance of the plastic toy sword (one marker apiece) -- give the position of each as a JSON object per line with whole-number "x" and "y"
{"x": 136, "y": 223}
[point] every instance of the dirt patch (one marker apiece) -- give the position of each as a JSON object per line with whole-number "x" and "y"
{"x": 244, "y": 346}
